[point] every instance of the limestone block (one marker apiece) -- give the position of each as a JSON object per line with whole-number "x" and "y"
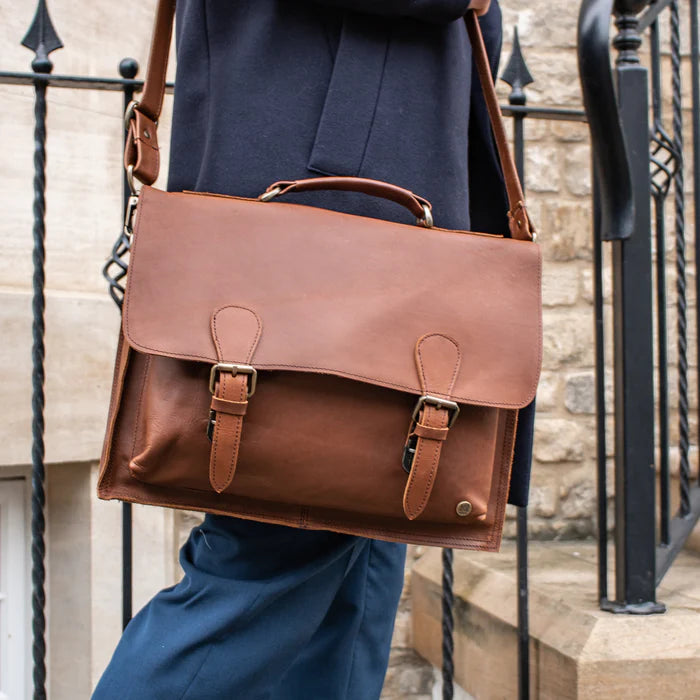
{"x": 84, "y": 172}
{"x": 541, "y": 169}
{"x": 95, "y": 39}
{"x": 408, "y": 677}
{"x": 534, "y": 129}
{"x": 69, "y": 580}
{"x": 80, "y": 344}
{"x": 106, "y": 577}
{"x": 579, "y": 394}
{"x": 560, "y": 284}
{"x": 566, "y": 230}
{"x": 577, "y": 652}
{"x": 578, "y": 500}
{"x": 543, "y": 501}
{"x": 553, "y": 71}
{"x": 560, "y": 440}
{"x": 587, "y": 290}
{"x": 577, "y": 170}
{"x": 674, "y": 461}
{"x": 567, "y": 338}
{"x": 570, "y": 132}
{"x": 551, "y": 24}
{"x": 548, "y": 391}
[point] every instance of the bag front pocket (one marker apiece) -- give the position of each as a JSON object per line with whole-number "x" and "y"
{"x": 309, "y": 440}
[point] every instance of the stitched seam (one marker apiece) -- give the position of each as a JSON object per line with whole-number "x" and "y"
{"x": 214, "y": 461}
{"x": 334, "y": 372}
{"x": 430, "y": 479}
{"x": 418, "y": 510}
{"x": 511, "y": 424}
{"x": 128, "y": 496}
{"x": 238, "y": 422}
{"x": 113, "y": 414}
{"x": 253, "y": 345}
{"x": 149, "y": 145}
{"x": 140, "y": 402}
{"x": 413, "y": 479}
{"x": 164, "y": 66}
{"x": 422, "y": 368}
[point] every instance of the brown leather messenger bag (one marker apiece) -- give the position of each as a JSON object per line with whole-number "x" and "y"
{"x": 295, "y": 365}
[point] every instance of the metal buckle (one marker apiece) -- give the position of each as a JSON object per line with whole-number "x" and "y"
{"x": 438, "y": 403}
{"x": 233, "y": 370}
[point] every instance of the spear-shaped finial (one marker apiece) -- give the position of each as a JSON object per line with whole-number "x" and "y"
{"x": 42, "y": 39}
{"x": 516, "y": 73}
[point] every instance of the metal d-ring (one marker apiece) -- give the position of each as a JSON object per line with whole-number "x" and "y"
{"x": 427, "y": 219}
{"x": 130, "y": 179}
{"x": 129, "y": 113}
{"x": 270, "y": 194}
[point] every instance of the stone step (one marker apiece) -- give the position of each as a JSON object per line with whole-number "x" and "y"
{"x": 577, "y": 652}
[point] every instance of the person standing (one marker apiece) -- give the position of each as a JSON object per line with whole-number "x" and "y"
{"x": 289, "y": 89}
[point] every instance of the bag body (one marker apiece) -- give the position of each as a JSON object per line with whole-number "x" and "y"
{"x": 321, "y": 370}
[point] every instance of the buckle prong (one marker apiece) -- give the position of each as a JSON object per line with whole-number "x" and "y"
{"x": 233, "y": 369}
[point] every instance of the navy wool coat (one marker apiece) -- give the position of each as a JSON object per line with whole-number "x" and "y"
{"x": 272, "y": 90}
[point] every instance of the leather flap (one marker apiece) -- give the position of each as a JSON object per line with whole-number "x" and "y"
{"x": 335, "y": 293}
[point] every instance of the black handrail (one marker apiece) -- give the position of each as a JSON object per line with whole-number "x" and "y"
{"x": 636, "y": 161}
{"x": 607, "y": 138}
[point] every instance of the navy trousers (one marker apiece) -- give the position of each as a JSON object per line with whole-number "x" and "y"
{"x": 264, "y": 612}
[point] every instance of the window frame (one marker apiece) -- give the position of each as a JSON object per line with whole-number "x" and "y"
{"x": 14, "y": 580}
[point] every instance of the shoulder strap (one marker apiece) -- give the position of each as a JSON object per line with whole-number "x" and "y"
{"x": 141, "y": 156}
{"x": 520, "y": 225}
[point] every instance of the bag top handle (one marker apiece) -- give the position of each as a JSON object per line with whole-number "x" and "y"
{"x": 141, "y": 157}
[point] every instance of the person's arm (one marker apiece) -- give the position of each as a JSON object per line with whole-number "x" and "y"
{"x": 429, "y": 10}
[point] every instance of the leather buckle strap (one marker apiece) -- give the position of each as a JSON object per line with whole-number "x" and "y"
{"x": 223, "y": 405}
{"x": 438, "y": 359}
{"x": 235, "y": 331}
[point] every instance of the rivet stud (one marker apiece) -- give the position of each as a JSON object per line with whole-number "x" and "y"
{"x": 464, "y": 508}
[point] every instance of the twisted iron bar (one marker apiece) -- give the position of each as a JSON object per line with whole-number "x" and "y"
{"x": 43, "y": 40}
{"x": 448, "y": 602}
{"x": 678, "y": 184}
{"x": 38, "y": 331}
{"x": 664, "y": 165}
{"x": 695, "y": 131}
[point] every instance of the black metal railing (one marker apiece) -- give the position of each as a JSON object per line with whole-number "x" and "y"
{"x": 617, "y": 195}
{"x": 639, "y": 158}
